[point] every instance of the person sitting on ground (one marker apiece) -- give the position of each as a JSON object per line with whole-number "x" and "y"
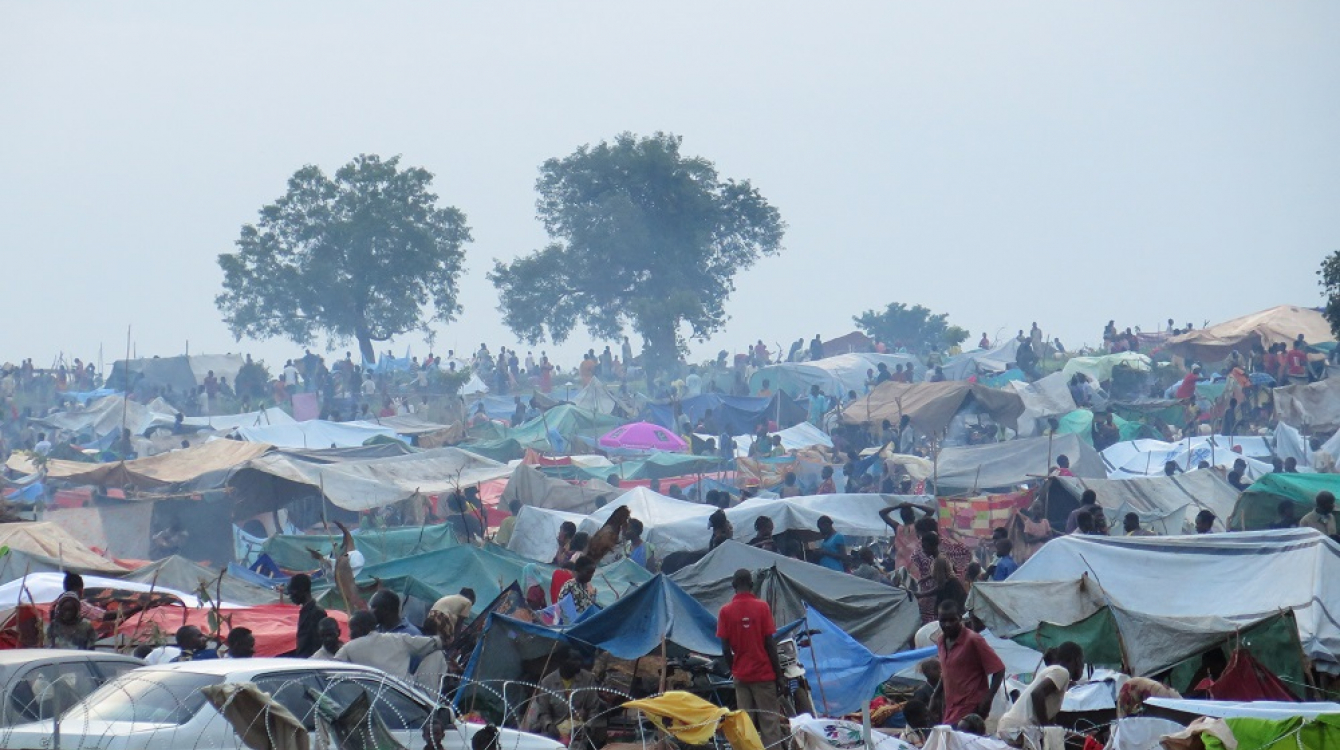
{"x": 568, "y": 694}
{"x": 1039, "y": 703}
{"x": 1130, "y": 525}
{"x": 191, "y": 645}
{"x": 1087, "y": 501}
{"x": 867, "y": 568}
{"x": 1284, "y": 516}
{"x": 328, "y": 630}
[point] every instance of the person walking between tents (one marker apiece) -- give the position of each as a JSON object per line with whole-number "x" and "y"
{"x": 746, "y": 629}
{"x": 972, "y": 670}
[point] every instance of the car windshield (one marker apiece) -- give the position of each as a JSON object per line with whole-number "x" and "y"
{"x": 152, "y": 696}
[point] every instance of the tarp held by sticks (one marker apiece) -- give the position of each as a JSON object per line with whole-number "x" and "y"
{"x": 931, "y": 406}
{"x": 968, "y": 469}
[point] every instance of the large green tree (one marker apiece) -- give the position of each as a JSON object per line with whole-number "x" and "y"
{"x": 914, "y": 327}
{"x": 1329, "y": 276}
{"x": 360, "y": 256}
{"x": 642, "y": 237}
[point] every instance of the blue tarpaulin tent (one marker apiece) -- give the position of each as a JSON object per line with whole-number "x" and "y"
{"x": 633, "y": 626}
{"x": 738, "y": 415}
{"x": 843, "y": 674}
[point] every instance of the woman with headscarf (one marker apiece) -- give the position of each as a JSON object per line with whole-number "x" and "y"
{"x": 68, "y": 628}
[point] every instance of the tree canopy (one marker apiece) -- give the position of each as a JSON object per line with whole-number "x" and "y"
{"x": 1329, "y": 274}
{"x": 641, "y": 236}
{"x": 357, "y": 257}
{"x": 913, "y": 327}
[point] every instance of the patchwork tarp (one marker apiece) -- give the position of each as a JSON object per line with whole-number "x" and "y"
{"x": 374, "y": 483}
{"x": 882, "y": 618}
{"x": 931, "y": 406}
{"x": 833, "y": 375}
{"x": 1242, "y": 577}
{"x": 1258, "y": 505}
{"x": 1278, "y": 325}
{"x": 998, "y": 466}
{"x": 1315, "y": 406}
{"x": 657, "y": 610}
{"x": 1170, "y": 502}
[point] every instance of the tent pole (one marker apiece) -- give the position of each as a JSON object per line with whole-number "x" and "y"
{"x": 818, "y": 674}
{"x": 665, "y": 667}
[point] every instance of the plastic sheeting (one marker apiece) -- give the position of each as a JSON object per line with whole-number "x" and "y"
{"x": 833, "y": 375}
{"x": 1045, "y": 397}
{"x": 1242, "y": 577}
{"x": 1252, "y": 709}
{"x": 531, "y": 487}
{"x": 1100, "y": 368}
{"x": 931, "y": 406}
{"x": 735, "y": 414}
{"x": 842, "y": 673}
{"x": 374, "y": 483}
{"x": 982, "y": 361}
{"x": 999, "y": 466}
{"x": 290, "y": 551}
{"x": 880, "y": 617}
{"x": 316, "y": 433}
{"x": 182, "y": 574}
{"x": 1145, "y": 458}
{"x": 634, "y": 626}
{"x": 1257, "y": 507}
{"x": 1278, "y": 325}
{"x": 535, "y": 535}
{"x": 1315, "y": 406}
{"x": 165, "y": 469}
{"x": 1152, "y": 498}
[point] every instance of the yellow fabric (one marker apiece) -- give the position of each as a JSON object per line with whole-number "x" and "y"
{"x": 694, "y": 720}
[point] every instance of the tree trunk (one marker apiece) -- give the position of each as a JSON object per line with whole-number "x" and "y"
{"x": 365, "y": 347}
{"x": 660, "y": 350}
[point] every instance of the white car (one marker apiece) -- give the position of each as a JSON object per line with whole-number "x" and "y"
{"x": 163, "y": 707}
{"x": 40, "y": 683}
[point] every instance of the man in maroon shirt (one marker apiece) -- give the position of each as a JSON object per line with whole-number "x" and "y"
{"x": 746, "y": 630}
{"x": 966, "y": 663}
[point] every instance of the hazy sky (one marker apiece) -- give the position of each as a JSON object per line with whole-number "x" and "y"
{"x": 1002, "y": 162}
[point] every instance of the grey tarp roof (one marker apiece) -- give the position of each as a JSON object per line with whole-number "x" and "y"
{"x": 1152, "y": 498}
{"x": 1241, "y": 576}
{"x": 1001, "y": 465}
{"x": 178, "y": 573}
{"x": 374, "y": 483}
{"x": 881, "y": 617}
{"x": 532, "y": 487}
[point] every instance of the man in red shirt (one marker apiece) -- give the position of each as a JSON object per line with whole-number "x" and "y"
{"x": 746, "y": 630}
{"x": 1297, "y": 361}
{"x": 1188, "y": 387}
{"x": 966, "y": 662}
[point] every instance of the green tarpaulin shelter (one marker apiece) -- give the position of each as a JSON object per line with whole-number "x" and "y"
{"x": 661, "y": 466}
{"x": 1280, "y": 734}
{"x": 1080, "y": 422}
{"x": 377, "y": 545}
{"x": 1257, "y": 507}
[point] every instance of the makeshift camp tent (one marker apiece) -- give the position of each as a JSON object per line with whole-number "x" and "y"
{"x": 738, "y": 415}
{"x": 975, "y": 469}
{"x": 176, "y": 572}
{"x": 273, "y": 481}
{"x": 1277, "y": 325}
{"x": 1241, "y": 577}
{"x": 1045, "y": 397}
{"x": 658, "y": 466}
{"x": 532, "y": 487}
{"x": 1145, "y": 458}
{"x": 535, "y": 535}
{"x": 573, "y": 425}
{"x": 107, "y": 416}
{"x": 376, "y": 545}
{"x": 1257, "y": 507}
{"x": 842, "y": 673}
{"x": 1166, "y": 504}
{"x": 52, "y": 545}
{"x": 1100, "y": 368}
{"x": 182, "y": 373}
{"x": 1080, "y": 422}
{"x": 488, "y": 571}
{"x": 658, "y": 610}
{"x": 179, "y": 467}
{"x": 316, "y": 433}
{"x": 931, "y": 406}
{"x": 880, "y": 617}
{"x": 982, "y": 361}
{"x": 833, "y": 375}
{"x": 1311, "y": 406}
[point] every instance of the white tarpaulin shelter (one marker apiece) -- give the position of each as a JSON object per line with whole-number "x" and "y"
{"x": 535, "y": 534}
{"x": 224, "y": 422}
{"x": 1168, "y": 503}
{"x": 106, "y": 416}
{"x": 1046, "y": 397}
{"x": 981, "y": 361}
{"x": 678, "y": 526}
{"x": 374, "y": 483}
{"x": 973, "y": 468}
{"x": 1312, "y": 405}
{"x": 834, "y": 375}
{"x": 1146, "y": 458}
{"x": 1241, "y": 577}
{"x": 795, "y": 438}
{"x": 316, "y": 433}
{"x": 1100, "y": 368}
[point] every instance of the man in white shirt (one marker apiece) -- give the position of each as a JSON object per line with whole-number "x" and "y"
{"x": 290, "y": 375}
{"x": 393, "y": 653}
{"x": 1040, "y": 702}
